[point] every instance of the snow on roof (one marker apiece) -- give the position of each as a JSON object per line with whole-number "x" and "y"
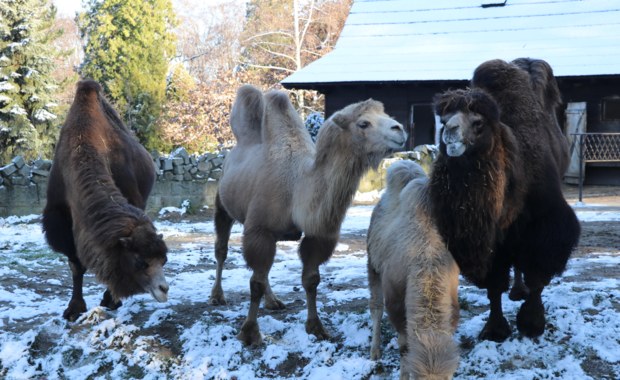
{"x": 412, "y": 40}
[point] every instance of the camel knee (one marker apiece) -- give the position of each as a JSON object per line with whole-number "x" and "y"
{"x": 221, "y": 252}
{"x": 259, "y": 249}
{"x": 311, "y": 281}
{"x": 257, "y": 289}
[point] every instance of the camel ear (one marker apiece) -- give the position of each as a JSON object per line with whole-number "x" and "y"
{"x": 340, "y": 119}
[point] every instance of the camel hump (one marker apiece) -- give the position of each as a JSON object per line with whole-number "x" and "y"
{"x": 543, "y": 82}
{"x": 87, "y": 85}
{"x": 278, "y": 101}
{"x": 247, "y": 114}
{"x": 282, "y": 125}
{"x": 400, "y": 173}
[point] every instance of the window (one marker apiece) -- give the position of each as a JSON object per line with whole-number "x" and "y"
{"x": 611, "y": 109}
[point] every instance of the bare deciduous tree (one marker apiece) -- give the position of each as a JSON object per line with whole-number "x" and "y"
{"x": 283, "y": 36}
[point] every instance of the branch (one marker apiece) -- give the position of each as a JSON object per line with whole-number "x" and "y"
{"x": 271, "y": 67}
{"x": 275, "y": 53}
{"x": 308, "y": 22}
{"x": 256, "y": 36}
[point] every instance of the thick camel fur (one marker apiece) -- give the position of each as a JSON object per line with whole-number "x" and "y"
{"x": 411, "y": 271}
{"x": 495, "y": 187}
{"x": 98, "y": 187}
{"x": 278, "y": 184}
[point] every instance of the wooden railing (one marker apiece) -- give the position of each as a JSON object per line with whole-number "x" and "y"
{"x": 595, "y": 147}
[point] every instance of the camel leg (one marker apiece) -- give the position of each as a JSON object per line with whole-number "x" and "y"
{"x": 108, "y": 301}
{"x": 376, "y": 312}
{"x": 259, "y": 249}
{"x": 271, "y": 301}
{"x": 314, "y": 252}
{"x": 223, "y": 224}
{"x": 518, "y": 291}
{"x": 77, "y": 305}
{"x": 531, "y": 316}
{"x": 403, "y": 349}
{"x": 497, "y": 328}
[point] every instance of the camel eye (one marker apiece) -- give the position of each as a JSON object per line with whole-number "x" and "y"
{"x": 477, "y": 125}
{"x": 141, "y": 264}
{"x": 363, "y": 124}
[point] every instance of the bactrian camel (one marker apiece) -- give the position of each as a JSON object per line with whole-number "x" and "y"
{"x": 278, "y": 184}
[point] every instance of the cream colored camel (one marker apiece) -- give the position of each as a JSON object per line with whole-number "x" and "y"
{"x": 412, "y": 274}
{"x": 278, "y": 184}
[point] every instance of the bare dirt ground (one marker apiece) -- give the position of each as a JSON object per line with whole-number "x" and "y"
{"x": 596, "y": 236}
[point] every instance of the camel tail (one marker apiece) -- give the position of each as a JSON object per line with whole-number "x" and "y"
{"x": 432, "y": 355}
{"x": 247, "y": 115}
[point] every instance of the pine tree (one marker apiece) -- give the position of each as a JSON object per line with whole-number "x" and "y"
{"x": 129, "y": 44}
{"x": 28, "y": 122}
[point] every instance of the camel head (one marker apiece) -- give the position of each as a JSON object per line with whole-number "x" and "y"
{"x": 142, "y": 257}
{"x": 469, "y": 120}
{"x": 367, "y": 128}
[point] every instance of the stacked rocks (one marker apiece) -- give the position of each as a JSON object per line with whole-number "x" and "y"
{"x": 181, "y": 166}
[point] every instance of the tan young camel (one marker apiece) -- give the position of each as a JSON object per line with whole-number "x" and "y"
{"x": 278, "y": 184}
{"x": 412, "y": 274}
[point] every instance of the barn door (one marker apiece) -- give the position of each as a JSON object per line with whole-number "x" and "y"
{"x": 575, "y": 123}
{"x": 421, "y": 125}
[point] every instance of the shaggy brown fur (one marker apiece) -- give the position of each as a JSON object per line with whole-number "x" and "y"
{"x": 496, "y": 189}
{"x": 279, "y": 184}
{"x": 97, "y": 191}
{"x": 410, "y": 267}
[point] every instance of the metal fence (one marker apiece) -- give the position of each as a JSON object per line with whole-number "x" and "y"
{"x": 595, "y": 147}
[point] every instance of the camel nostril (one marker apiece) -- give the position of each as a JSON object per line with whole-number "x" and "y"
{"x": 164, "y": 288}
{"x": 397, "y": 127}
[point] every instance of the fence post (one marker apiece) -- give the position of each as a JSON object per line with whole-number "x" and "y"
{"x": 581, "y": 142}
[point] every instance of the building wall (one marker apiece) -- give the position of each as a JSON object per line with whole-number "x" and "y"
{"x": 593, "y": 91}
{"x": 398, "y": 97}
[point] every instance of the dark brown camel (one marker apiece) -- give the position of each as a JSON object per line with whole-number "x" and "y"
{"x": 497, "y": 200}
{"x": 98, "y": 187}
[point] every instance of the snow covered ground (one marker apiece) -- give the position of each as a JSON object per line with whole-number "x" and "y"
{"x": 186, "y": 338}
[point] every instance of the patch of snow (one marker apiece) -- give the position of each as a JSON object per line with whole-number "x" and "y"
{"x": 44, "y": 115}
{"x": 6, "y": 86}
{"x": 186, "y": 338}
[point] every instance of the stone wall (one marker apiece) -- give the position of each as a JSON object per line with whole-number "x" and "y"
{"x": 180, "y": 177}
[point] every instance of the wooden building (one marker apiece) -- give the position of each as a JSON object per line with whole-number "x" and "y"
{"x": 403, "y": 52}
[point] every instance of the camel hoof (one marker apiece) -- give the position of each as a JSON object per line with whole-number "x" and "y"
{"x": 315, "y": 327}
{"x": 74, "y": 310}
{"x": 496, "y": 331}
{"x": 249, "y": 334}
{"x": 518, "y": 293}
{"x": 108, "y": 301}
{"x": 217, "y": 300}
{"x": 274, "y": 304}
{"x": 217, "y": 296}
{"x": 531, "y": 319}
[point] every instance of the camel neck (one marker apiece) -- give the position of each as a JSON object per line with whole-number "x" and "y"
{"x": 326, "y": 192}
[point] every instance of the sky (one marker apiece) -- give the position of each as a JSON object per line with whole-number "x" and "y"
{"x": 67, "y": 7}
{"x": 70, "y": 7}
{"x": 145, "y": 339}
